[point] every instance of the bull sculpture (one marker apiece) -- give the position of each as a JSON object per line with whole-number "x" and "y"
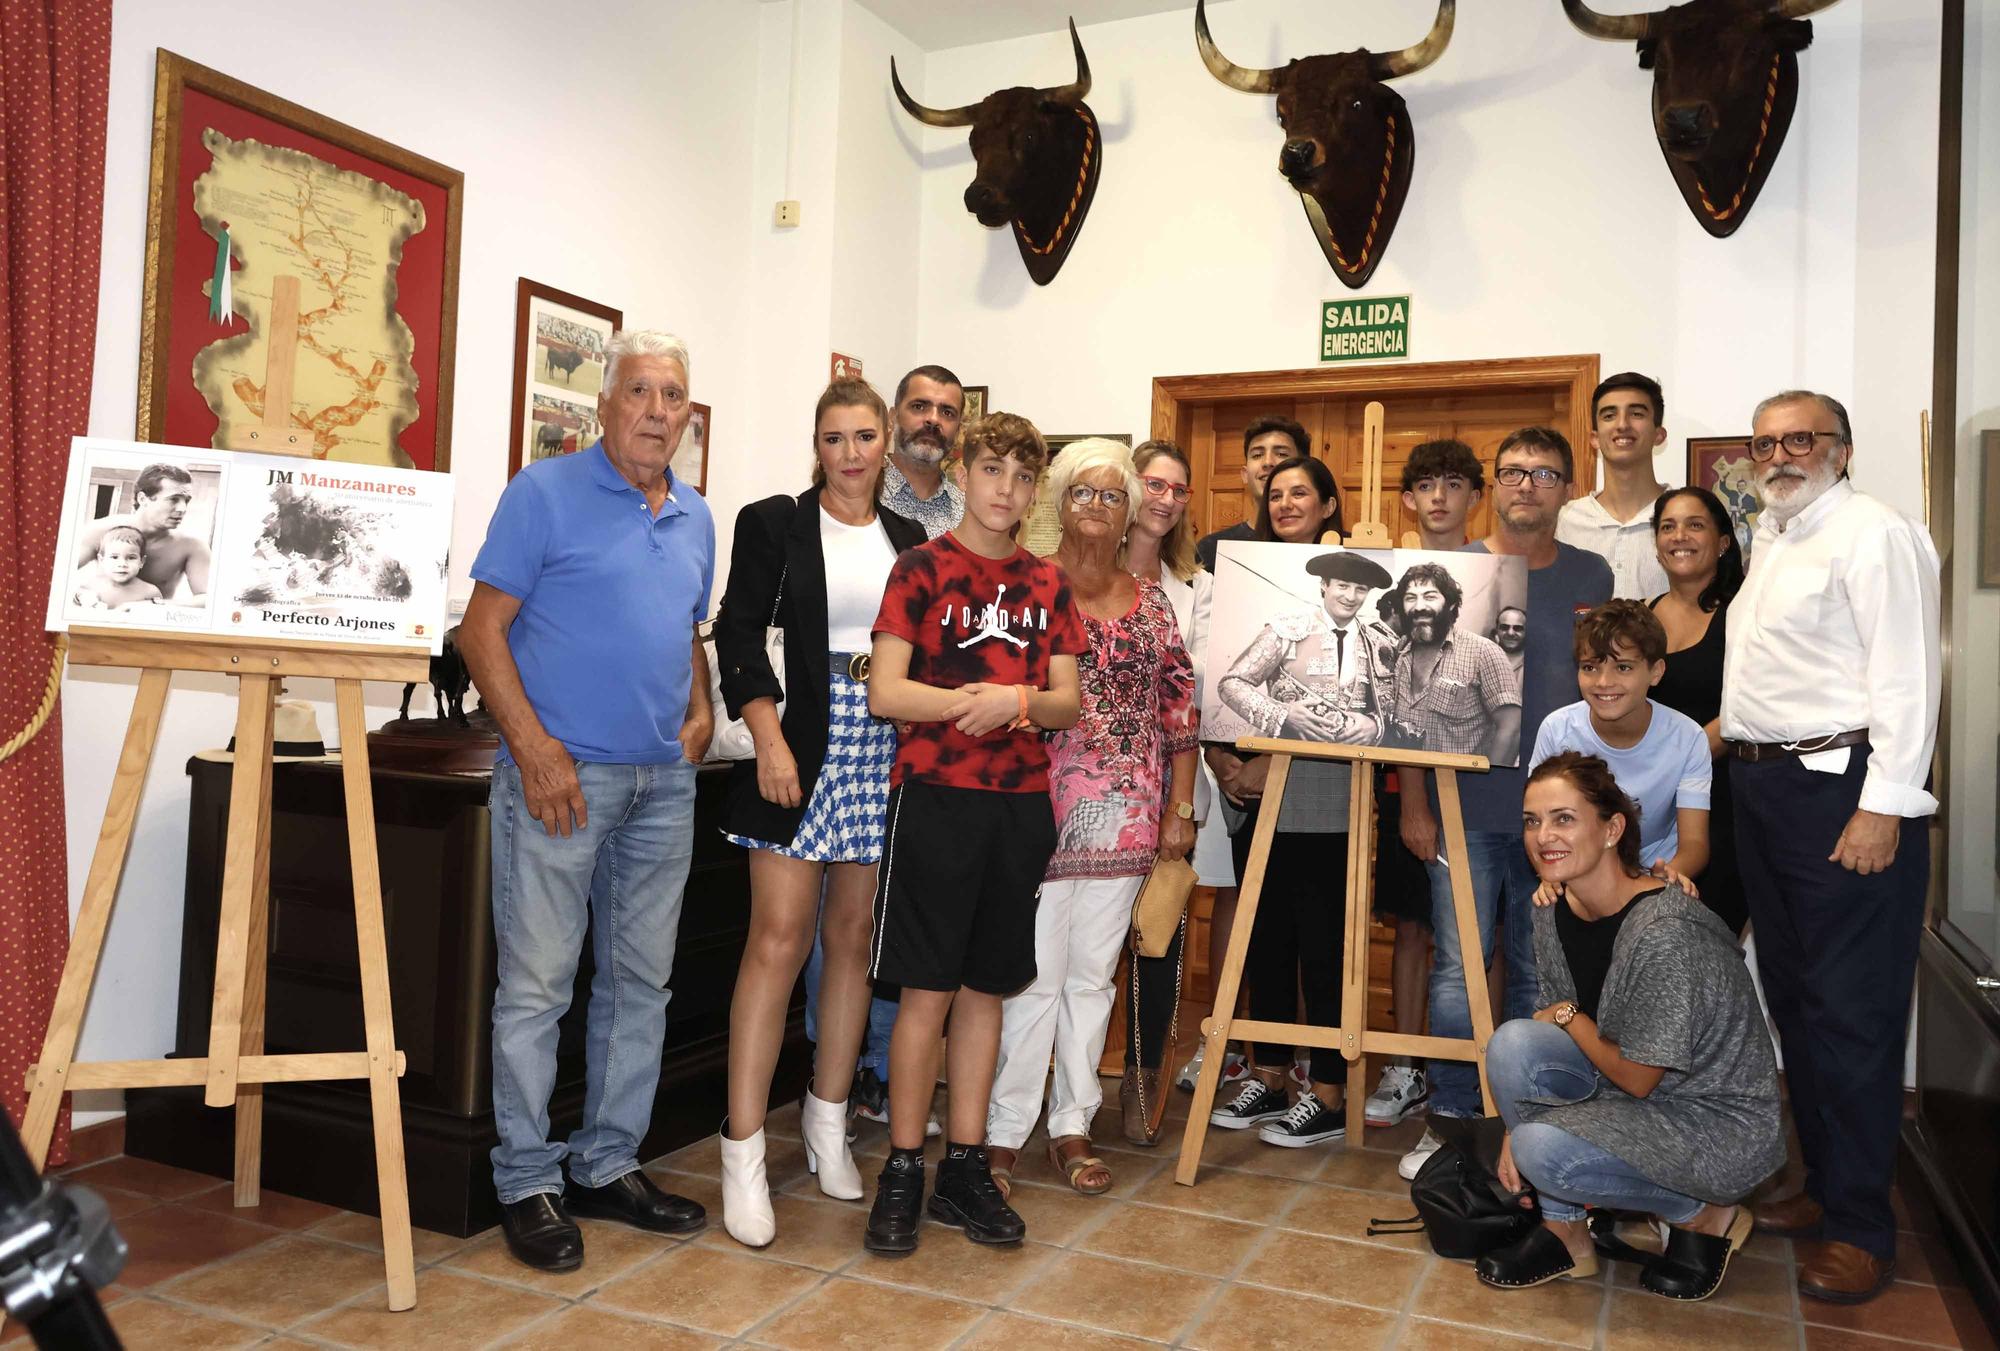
{"x": 1725, "y": 83}
{"x": 1036, "y": 155}
{"x": 1349, "y": 146}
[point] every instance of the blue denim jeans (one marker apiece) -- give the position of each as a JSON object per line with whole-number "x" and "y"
{"x": 881, "y": 1014}
{"x": 1535, "y": 1061}
{"x": 622, "y": 873}
{"x": 1503, "y": 890}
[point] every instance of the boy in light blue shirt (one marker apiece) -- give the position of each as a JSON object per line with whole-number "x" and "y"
{"x": 1659, "y": 757}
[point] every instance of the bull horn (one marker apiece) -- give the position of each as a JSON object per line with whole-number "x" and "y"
{"x": 1799, "y": 9}
{"x": 1388, "y": 65}
{"x": 930, "y": 117}
{"x": 1078, "y": 91}
{"x": 1249, "y": 80}
{"x": 1610, "y": 27}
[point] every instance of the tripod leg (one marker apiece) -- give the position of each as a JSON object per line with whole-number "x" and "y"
{"x": 1354, "y": 952}
{"x": 256, "y": 955}
{"x": 1468, "y": 927}
{"x": 239, "y": 881}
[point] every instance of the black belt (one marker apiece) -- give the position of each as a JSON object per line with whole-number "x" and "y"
{"x": 1754, "y": 751}
{"x": 853, "y": 665}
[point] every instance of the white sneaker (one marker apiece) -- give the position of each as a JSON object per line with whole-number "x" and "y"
{"x": 1234, "y": 1069}
{"x": 1416, "y": 1158}
{"x": 1403, "y": 1090}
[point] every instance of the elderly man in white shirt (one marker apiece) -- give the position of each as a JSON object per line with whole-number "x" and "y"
{"x": 1829, "y": 708}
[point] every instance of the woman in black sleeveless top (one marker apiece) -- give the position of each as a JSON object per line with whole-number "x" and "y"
{"x": 1704, "y": 567}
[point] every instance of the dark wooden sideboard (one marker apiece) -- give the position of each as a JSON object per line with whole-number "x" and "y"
{"x": 433, "y": 840}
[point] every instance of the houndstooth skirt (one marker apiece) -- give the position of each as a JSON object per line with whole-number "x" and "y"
{"x": 843, "y": 817}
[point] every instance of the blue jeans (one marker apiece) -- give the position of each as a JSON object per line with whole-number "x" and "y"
{"x": 881, "y": 1014}
{"x": 621, "y": 876}
{"x": 1503, "y": 890}
{"x": 1539, "y": 1062}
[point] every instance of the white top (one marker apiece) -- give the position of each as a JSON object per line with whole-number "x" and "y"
{"x": 858, "y": 559}
{"x": 1627, "y": 546}
{"x": 1669, "y": 769}
{"x": 1836, "y": 628}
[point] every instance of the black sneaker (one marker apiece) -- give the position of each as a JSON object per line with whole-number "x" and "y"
{"x": 1308, "y": 1123}
{"x": 1253, "y": 1103}
{"x": 966, "y": 1198}
{"x": 898, "y": 1208}
{"x": 869, "y": 1098}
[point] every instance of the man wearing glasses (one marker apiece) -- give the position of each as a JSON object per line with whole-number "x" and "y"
{"x": 1829, "y": 714}
{"x": 1532, "y": 472}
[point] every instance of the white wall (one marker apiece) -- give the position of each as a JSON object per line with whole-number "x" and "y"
{"x": 1541, "y": 220}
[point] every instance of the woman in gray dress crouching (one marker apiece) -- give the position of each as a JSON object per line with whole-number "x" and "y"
{"x": 1647, "y": 1081}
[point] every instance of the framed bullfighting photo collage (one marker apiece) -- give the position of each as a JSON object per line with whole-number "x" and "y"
{"x": 559, "y": 342}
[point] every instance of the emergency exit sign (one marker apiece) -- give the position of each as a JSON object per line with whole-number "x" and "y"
{"x": 1369, "y": 328}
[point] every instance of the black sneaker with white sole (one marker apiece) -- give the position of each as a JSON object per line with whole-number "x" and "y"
{"x": 1310, "y": 1122}
{"x": 1254, "y": 1102}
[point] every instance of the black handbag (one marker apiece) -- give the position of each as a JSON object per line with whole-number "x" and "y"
{"x": 1462, "y": 1207}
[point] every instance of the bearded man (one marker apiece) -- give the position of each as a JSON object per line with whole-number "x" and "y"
{"x": 930, "y": 403}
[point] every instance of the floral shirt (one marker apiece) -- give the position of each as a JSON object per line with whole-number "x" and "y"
{"x": 1109, "y": 774}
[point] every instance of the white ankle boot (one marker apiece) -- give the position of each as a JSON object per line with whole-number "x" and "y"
{"x": 746, "y": 1195}
{"x": 824, "y": 1125}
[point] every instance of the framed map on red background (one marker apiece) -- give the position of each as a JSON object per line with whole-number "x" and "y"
{"x": 370, "y": 230}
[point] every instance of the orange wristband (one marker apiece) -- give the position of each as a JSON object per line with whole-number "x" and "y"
{"x": 1021, "y": 723}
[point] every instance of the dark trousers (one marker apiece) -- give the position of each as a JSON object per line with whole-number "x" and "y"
{"x": 1838, "y": 956}
{"x": 1152, "y": 989}
{"x": 1297, "y": 940}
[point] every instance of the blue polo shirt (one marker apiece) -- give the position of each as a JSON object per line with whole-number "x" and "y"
{"x": 610, "y": 596}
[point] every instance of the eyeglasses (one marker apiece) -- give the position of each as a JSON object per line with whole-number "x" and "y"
{"x": 1082, "y": 495}
{"x": 1159, "y": 487}
{"x": 1514, "y": 476}
{"x": 1795, "y": 444}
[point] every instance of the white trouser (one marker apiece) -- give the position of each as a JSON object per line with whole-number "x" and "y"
{"x": 1080, "y": 928}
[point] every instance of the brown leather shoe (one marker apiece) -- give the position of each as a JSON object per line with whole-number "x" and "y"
{"x": 1794, "y": 1217}
{"x": 1841, "y": 1273}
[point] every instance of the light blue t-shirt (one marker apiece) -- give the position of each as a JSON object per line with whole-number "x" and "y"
{"x": 610, "y": 595}
{"x": 1668, "y": 769}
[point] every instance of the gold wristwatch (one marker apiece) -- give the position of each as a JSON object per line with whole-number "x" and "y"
{"x": 1565, "y": 1012}
{"x": 1184, "y": 810}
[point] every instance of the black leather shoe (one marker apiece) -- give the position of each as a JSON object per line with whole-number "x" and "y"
{"x": 540, "y": 1234}
{"x": 1692, "y": 1265}
{"x": 967, "y": 1198}
{"x": 899, "y": 1202}
{"x": 1534, "y": 1260}
{"x": 634, "y": 1200}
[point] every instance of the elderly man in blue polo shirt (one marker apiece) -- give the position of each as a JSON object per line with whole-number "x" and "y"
{"x": 581, "y": 635}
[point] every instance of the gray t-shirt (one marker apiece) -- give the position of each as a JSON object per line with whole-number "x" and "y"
{"x": 1677, "y": 996}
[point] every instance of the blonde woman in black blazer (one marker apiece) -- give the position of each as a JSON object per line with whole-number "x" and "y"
{"x": 809, "y": 808}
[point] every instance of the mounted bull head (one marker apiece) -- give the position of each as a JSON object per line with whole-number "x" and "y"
{"x": 1036, "y": 154}
{"x": 1725, "y": 81}
{"x": 1349, "y": 146}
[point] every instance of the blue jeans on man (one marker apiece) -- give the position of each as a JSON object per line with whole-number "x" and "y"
{"x": 881, "y": 1015}
{"x": 1503, "y": 890}
{"x": 1528, "y": 1060}
{"x": 621, "y": 876}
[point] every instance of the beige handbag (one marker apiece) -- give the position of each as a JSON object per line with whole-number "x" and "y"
{"x": 1162, "y": 901}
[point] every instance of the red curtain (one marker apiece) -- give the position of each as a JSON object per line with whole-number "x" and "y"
{"x": 55, "y": 61}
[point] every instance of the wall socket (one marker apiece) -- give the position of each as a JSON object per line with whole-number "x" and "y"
{"x": 786, "y": 216}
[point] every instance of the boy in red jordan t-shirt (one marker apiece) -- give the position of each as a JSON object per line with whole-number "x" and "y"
{"x": 975, "y": 653}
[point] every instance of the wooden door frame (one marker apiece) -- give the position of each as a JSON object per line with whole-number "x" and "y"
{"x": 1176, "y": 396}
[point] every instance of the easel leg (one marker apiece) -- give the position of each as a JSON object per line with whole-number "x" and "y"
{"x": 100, "y": 892}
{"x": 239, "y": 881}
{"x": 1469, "y": 946}
{"x": 1354, "y": 984}
{"x": 1230, "y": 981}
{"x": 372, "y": 945}
{"x": 250, "y": 1097}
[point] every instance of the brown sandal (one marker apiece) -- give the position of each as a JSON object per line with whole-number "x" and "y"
{"x": 1074, "y": 1166}
{"x": 1000, "y": 1163}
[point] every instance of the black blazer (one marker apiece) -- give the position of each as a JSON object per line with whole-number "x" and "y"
{"x": 777, "y": 539}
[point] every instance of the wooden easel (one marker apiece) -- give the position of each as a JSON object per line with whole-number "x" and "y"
{"x": 236, "y": 1069}
{"x": 1353, "y": 1038}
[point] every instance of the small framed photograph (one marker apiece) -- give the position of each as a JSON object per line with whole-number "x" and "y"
{"x": 975, "y": 402}
{"x": 559, "y": 342}
{"x": 1722, "y": 464}
{"x": 690, "y": 462}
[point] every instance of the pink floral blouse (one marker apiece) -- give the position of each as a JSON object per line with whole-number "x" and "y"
{"x": 1109, "y": 774}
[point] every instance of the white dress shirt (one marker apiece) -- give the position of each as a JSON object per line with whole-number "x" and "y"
{"x": 1836, "y": 628}
{"x": 1627, "y": 546}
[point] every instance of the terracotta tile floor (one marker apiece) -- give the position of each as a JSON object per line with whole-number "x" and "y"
{"x": 1269, "y": 1250}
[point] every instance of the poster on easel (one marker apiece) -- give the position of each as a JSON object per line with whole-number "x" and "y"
{"x": 226, "y": 543}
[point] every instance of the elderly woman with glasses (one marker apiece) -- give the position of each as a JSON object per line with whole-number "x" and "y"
{"x": 1122, "y": 785}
